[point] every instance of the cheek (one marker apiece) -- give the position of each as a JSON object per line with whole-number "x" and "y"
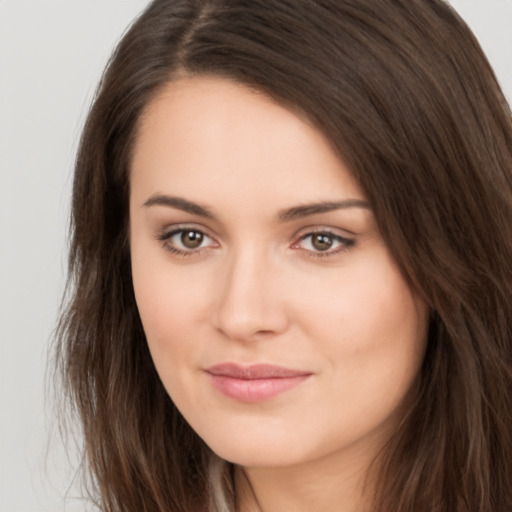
{"x": 371, "y": 328}
{"x": 169, "y": 313}
{"x": 170, "y": 304}
{"x": 374, "y": 338}
{"x": 167, "y": 310}
{"x": 367, "y": 304}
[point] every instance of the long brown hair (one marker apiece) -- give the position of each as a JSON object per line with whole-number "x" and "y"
{"x": 403, "y": 91}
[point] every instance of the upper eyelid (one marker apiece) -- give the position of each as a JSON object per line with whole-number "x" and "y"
{"x": 340, "y": 238}
{"x": 177, "y": 228}
{"x": 312, "y": 230}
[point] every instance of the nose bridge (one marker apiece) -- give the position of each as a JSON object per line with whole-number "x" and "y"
{"x": 249, "y": 302}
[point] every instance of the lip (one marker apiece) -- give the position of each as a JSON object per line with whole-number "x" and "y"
{"x": 254, "y": 383}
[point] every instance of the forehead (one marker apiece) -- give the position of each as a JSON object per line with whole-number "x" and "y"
{"x": 204, "y": 135}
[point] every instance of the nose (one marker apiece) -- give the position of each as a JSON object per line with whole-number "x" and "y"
{"x": 250, "y": 304}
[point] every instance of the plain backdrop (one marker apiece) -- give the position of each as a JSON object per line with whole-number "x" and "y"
{"x": 51, "y": 56}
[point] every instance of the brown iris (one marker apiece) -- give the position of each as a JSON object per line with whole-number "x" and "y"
{"x": 192, "y": 239}
{"x": 322, "y": 241}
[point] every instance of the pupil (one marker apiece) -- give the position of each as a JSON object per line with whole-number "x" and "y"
{"x": 191, "y": 239}
{"x": 322, "y": 242}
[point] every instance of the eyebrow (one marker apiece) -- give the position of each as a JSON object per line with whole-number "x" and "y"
{"x": 285, "y": 215}
{"x": 180, "y": 204}
{"x": 298, "y": 212}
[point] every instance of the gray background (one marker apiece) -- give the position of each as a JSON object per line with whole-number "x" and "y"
{"x": 51, "y": 56}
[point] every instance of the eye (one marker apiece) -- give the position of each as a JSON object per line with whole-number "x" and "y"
{"x": 323, "y": 243}
{"x": 186, "y": 241}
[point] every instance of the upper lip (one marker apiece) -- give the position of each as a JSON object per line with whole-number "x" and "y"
{"x": 255, "y": 371}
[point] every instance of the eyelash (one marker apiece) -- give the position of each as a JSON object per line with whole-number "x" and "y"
{"x": 165, "y": 238}
{"x": 344, "y": 242}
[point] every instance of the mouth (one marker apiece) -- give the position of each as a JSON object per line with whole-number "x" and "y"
{"x": 255, "y": 383}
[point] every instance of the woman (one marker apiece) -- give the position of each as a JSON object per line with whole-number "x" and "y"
{"x": 291, "y": 281}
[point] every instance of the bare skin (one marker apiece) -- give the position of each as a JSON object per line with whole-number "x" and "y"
{"x": 252, "y": 244}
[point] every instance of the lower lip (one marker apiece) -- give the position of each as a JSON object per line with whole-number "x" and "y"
{"x": 254, "y": 390}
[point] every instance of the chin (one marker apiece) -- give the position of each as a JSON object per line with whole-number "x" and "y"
{"x": 256, "y": 456}
{"x": 258, "y": 449}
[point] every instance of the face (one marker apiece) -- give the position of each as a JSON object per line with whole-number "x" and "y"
{"x": 278, "y": 322}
